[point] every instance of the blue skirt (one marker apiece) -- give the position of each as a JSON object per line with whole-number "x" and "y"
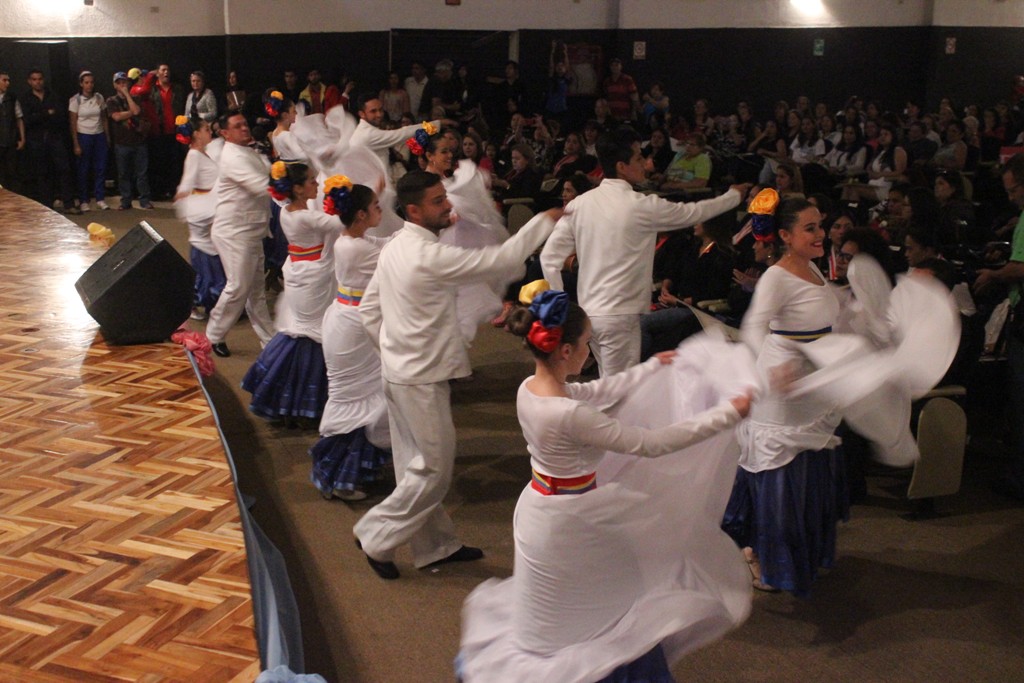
{"x": 210, "y": 278}
{"x": 346, "y": 461}
{"x": 789, "y": 516}
{"x": 649, "y": 668}
{"x": 288, "y": 379}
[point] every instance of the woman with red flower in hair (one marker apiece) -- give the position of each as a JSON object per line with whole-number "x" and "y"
{"x": 581, "y": 604}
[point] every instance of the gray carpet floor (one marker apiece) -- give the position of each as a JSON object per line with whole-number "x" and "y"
{"x": 931, "y": 600}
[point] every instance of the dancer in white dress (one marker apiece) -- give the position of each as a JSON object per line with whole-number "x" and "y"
{"x": 600, "y": 582}
{"x": 790, "y": 488}
{"x": 196, "y": 202}
{"x": 354, "y": 430}
{"x": 289, "y": 378}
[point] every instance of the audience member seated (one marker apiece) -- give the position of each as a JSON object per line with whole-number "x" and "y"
{"x": 831, "y": 264}
{"x": 659, "y": 151}
{"x": 524, "y": 180}
{"x": 691, "y": 167}
{"x": 789, "y": 182}
{"x": 888, "y": 166}
{"x": 765, "y": 255}
{"x": 771, "y": 148}
{"x": 952, "y": 155}
{"x": 920, "y": 149}
{"x": 699, "y": 271}
{"x": 574, "y": 159}
{"x": 848, "y": 158}
{"x": 992, "y": 136}
{"x": 655, "y": 109}
{"x": 807, "y": 147}
{"x": 957, "y": 224}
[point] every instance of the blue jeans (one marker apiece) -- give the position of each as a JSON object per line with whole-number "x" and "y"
{"x": 94, "y": 157}
{"x": 664, "y": 329}
{"x": 132, "y": 161}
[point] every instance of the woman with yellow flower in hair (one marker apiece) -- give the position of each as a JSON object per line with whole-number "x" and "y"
{"x": 790, "y": 488}
{"x": 288, "y": 381}
{"x": 195, "y": 202}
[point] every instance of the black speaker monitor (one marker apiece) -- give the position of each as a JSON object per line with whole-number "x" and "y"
{"x": 140, "y": 290}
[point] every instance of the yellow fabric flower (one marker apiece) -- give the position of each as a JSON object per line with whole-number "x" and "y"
{"x": 529, "y": 291}
{"x": 134, "y": 72}
{"x": 765, "y": 202}
{"x": 337, "y": 181}
{"x": 278, "y": 170}
{"x": 180, "y": 120}
{"x": 430, "y": 128}
{"x": 277, "y": 95}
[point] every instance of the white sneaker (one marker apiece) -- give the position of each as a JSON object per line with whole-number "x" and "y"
{"x": 85, "y": 207}
{"x": 58, "y": 204}
{"x": 102, "y": 205}
{"x": 198, "y": 314}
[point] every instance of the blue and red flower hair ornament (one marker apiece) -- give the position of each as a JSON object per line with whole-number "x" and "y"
{"x": 337, "y": 195}
{"x": 550, "y": 307}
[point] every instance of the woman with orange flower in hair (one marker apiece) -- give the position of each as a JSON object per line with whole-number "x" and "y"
{"x": 289, "y": 379}
{"x": 195, "y": 202}
{"x": 789, "y": 492}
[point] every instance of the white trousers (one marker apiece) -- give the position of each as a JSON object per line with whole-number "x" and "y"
{"x": 242, "y": 258}
{"x": 615, "y": 342}
{"x": 423, "y": 448}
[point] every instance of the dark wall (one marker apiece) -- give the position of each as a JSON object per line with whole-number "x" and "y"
{"x": 762, "y": 66}
{"x": 981, "y": 70}
{"x": 724, "y": 65}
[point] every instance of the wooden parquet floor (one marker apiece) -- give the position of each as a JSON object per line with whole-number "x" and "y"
{"x": 121, "y": 549}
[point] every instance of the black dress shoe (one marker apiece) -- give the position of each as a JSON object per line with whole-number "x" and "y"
{"x": 464, "y": 554}
{"x": 385, "y": 570}
{"x": 221, "y": 349}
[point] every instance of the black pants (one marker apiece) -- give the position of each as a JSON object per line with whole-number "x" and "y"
{"x": 165, "y": 165}
{"x": 48, "y": 169}
{"x": 9, "y": 168}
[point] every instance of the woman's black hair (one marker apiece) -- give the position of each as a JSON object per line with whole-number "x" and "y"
{"x": 787, "y": 211}
{"x": 297, "y": 174}
{"x": 521, "y": 320}
{"x": 361, "y": 197}
{"x": 955, "y": 181}
{"x": 886, "y": 156}
{"x": 579, "y": 182}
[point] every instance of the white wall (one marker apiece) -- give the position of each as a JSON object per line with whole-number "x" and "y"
{"x": 1007, "y": 13}
{"x": 68, "y": 18}
{"x": 281, "y": 16}
{"x": 106, "y": 18}
{"x": 676, "y": 14}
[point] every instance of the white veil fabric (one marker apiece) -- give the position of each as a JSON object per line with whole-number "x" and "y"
{"x": 478, "y": 225}
{"x": 656, "y": 568}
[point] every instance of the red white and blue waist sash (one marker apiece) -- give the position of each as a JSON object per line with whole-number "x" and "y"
{"x": 297, "y": 253}
{"x": 347, "y": 296}
{"x": 557, "y": 486}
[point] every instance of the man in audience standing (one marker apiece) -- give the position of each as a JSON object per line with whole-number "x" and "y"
{"x": 1011, "y": 482}
{"x": 12, "y": 133}
{"x": 415, "y": 85}
{"x": 620, "y": 91}
{"x": 46, "y": 145}
{"x": 166, "y": 158}
{"x": 612, "y": 230}
{"x": 409, "y": 310}
{"x": 130, "y": 148}
{"x": 239, "y": 226}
